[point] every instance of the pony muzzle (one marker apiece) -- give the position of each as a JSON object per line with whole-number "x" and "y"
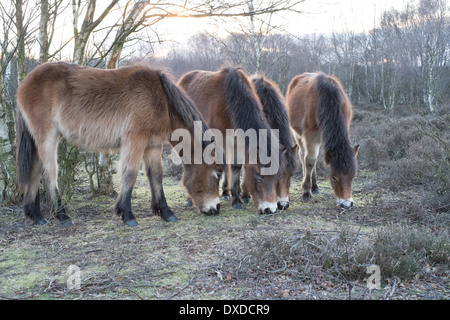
{"x": 211, "y": 207}
{"x": 267, "y": 207}
{"x": 283, "y": 203}
{"x": 344, "y": 203}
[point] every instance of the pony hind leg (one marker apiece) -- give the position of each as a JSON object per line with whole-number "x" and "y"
{"x": 154, "y": 171}
{"x": 48, "y": 156}
{"x": 309, "y": 183}
{"x": 31, "y": 205}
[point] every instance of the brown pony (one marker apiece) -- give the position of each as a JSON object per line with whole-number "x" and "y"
{"x": 227, "y": 100}
{"x": 131, "y": 109}
{"x": 274, "y": 107}
{"x": 321, "y": 112}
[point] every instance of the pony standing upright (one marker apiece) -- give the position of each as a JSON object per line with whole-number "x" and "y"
{"x": 320, "y": 112}
{"x": 132, "y": 109}
{"x": 274, "y": 108}
{"x": 227, "y": 101}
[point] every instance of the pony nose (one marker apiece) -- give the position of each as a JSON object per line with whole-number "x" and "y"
{"x": 283, "y": 205}
{"x": 213, "y": 211}
{"x": 267, "y": 207}
{"x": 346, "y": 204}
{"x": 266, "y": 211}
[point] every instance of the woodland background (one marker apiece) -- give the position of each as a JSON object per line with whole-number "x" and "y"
{"x": 402, "y": 61}
{"x": 398, "y": 77}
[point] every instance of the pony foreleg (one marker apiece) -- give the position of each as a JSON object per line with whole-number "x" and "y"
{"x": 245, "y": 195}
{"x": 236, "y": 186}
{"x": 123, "y": 204}
{"x": 130, "y": 159}
{"x": 154, "y": 171}
{"x": 314, "y": 186}
{"x": 226, "y": 183}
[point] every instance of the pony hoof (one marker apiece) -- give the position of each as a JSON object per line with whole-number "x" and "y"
{"x": 67, "y": 223}
{"x": 306, "y": 197}
{"x": 238, "y": 206}
{"x": 189, "y": 203}
{"x": 315, "y": 191}
{"x": 171, "y": 218}
{"x": 225, "y": 197}
{"x": 246, "y": 200}
{"x": 131, "y": 223}
{"x": 42, "y": 222}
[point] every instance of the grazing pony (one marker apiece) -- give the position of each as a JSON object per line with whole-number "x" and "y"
{"x": 274, "y": 107}
{"x": 321, "y": 112}
{"x": 132, "y": 109}
{"x": 227, "y": 100}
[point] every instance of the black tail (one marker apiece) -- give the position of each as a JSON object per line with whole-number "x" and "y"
{"x": 180, "y": 103}
{"x": 329, "y": 114}
{"x": 25, "y": 150}
{"x": 332, "y": 123}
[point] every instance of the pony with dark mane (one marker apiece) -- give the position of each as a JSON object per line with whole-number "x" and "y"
{"x": 227, "y": 100}
{"x": 132, "y": 109}
{"x": 274, "y": 107}
{"x": 320, "y": 112}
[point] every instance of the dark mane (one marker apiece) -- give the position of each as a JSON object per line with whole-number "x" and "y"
{"x": 276, "y": 114}
{"x": 243, "y": 105}
{"x": 180, "y": 103}
{"x": 333, "y": 128}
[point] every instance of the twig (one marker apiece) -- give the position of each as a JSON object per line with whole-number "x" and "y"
{"x": 393, "y": 287}
{"x": 179, "y": 291}
{"x": 350, "y": 291}
{"x": 92, "y": 251}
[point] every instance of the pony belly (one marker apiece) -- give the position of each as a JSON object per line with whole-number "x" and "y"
{"x": 91, "y": 139}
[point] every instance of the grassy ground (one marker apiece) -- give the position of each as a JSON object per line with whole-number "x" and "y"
{"x": 311, "y": 251}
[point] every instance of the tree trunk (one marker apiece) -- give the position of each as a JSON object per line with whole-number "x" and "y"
{"x": 81, "y": 36}
{"x": 21, "y": 71}
{"x": 43, "y": 32}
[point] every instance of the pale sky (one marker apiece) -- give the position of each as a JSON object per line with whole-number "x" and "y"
{"x": 320, "y": 16}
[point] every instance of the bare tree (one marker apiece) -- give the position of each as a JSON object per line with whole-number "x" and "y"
{"x": 16, "y": 19}
{"x": 82, "y": 33}
{"x": 7, "y": 133}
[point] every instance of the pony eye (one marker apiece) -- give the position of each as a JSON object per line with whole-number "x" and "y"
{"x": 218, "y": 174}
{"x": 334, "y": 179}
{"x": 258, "y": 178}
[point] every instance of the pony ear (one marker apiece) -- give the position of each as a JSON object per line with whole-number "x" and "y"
{"x": 329, "y": 156}
{"x": 356, "y": 150}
